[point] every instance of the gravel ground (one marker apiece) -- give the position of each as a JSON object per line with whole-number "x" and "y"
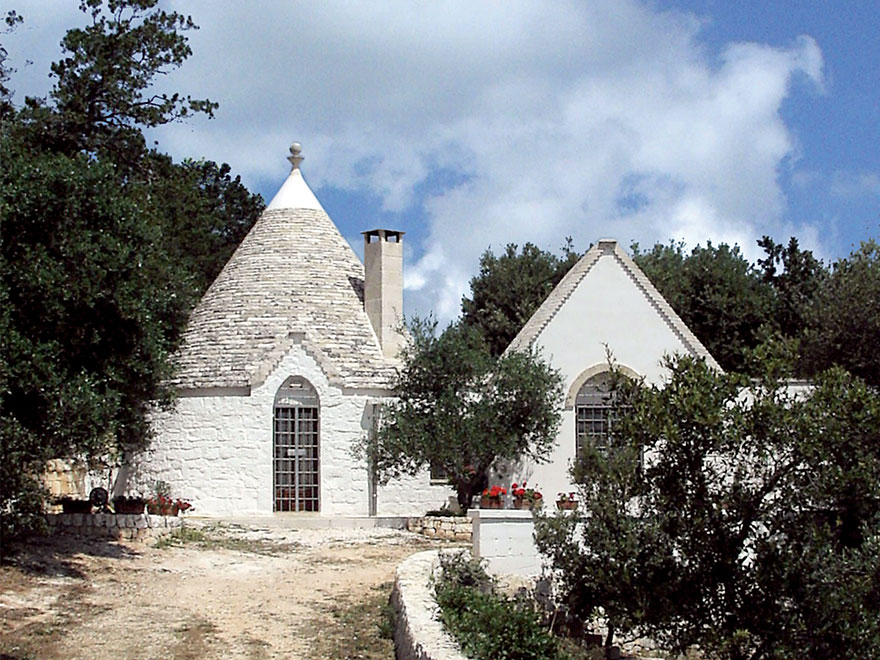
{"x": 220, "y": 591}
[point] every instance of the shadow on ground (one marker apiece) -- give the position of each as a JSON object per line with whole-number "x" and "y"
{"x": 54, "y": 556}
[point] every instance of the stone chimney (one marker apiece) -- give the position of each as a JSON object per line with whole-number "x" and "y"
{"x": 383, "y": 287}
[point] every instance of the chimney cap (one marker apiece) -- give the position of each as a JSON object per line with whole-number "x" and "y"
{"x": 294, "y": 157}
{"x": 383, "y": 234}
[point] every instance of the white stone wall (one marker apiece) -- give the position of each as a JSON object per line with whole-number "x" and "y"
{"x": 505, "y": 538}
{"x": 451, "y": 528}
{"x": 418, "y": 632}
{"x": 119, "y": 527}
{"x": 608, "y": 310}
{"x": 217, "y": 452}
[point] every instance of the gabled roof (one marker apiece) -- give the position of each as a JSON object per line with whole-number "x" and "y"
{"x": 293, "y": 279}
{"x": 607, "y": 248}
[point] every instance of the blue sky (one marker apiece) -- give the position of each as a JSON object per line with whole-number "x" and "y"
{"x": 471, "y": 125}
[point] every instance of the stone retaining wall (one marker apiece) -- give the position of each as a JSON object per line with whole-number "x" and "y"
{"x": 418, "y": 634}
{"x": 453, "y": 528}
{"x": 119, "y": 527}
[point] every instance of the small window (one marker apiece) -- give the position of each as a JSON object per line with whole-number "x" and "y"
{"x": 594, "y": 413}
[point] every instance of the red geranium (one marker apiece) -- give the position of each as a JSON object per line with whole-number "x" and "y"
{"x": 495, "y": 492}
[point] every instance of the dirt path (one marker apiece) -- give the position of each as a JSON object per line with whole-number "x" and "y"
{"x": 225, "y": 592}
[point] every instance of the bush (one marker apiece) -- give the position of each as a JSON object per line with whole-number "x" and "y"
{"x": 487, "y": 625}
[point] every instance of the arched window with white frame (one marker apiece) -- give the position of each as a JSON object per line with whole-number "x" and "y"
{"x": 594, "y": 412}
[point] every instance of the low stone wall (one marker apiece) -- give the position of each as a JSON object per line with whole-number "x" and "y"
{"x": 453, "y": 528}
{"x": 116, "y": 526}
{"x": 505, "y": 538}
{"x": 418, "y": 633}
{"x": 65, "y": 478}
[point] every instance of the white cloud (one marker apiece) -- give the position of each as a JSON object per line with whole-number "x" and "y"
{"x": 606, "y": 118}
{"x": 855, "y": 185}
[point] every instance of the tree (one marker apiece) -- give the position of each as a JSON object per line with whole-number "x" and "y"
{"x": 510, "y": 288}
{"x": 459, "y": 409}
{"x": 794, "y": 287}
{"x": 719, "y": 295}
{"x": 203, "y": 213}
{"x": 746, "y": 522}
{"x": 843, "y": 318}
{"x": 98, "y": 269}
{"x": 12, "y": 19}
{"x": 102, "y": 97}
{"x": 92, "y": 309}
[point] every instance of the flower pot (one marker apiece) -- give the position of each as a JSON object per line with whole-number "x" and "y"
{"x": 566, "y": 505}
{"x": 491, "y": 503}
{"x": 162, "y": 510}
{"x": 129, "y": 506}
{"x": 76, "y": 506}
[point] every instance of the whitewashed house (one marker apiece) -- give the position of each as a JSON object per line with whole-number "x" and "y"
{"x": 282, "y": 368}
{"x": 605, "y": 303}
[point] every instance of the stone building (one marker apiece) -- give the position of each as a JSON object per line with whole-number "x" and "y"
{"x": 282, "y": 368}
{"x": 604, "y": 305}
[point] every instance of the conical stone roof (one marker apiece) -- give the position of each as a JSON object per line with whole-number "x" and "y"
{"x": 294, "y": 279}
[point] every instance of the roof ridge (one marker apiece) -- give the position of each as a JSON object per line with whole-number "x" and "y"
{"x": 548, "y": 309}
{"x": 554, "y": 301}
{"x": 663, "y": 308}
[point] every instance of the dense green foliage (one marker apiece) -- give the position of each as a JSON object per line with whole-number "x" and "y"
{"x": 788, "y": 302}
{"x": 105, "y": 247}
{"x": 719, "y": 295}
{"x": 461, "y": 409}
{"x": 795, "y": 276}
{"x": 487, "y": 625}
{"x": 745, "y": 523}
{"x": 509, "y": 288}
{"x": 843, "y": 319}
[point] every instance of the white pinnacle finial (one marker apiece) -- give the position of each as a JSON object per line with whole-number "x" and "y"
{"x": 294, "y": 157}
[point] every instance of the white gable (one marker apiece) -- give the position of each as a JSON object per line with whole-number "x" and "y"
{"x": 606, "y": 301}
{"x": 608, "y": 309}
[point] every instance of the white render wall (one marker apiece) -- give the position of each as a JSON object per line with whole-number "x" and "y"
{"x": 607, "y": 309}
{"x": 217, "y": 451}
{"x": 505, "y": 538}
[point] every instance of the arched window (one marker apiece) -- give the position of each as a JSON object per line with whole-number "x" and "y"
{"x": 594, "y": 412}
{"x": 295, "y": 446}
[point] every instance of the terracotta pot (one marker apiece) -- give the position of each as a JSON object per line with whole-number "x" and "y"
{"x": 566, "y": 505}
{"x": 523, "y": 503}
{"x": 129, "y": 506}
{"x": 166, "y": 510}
{"x": 491, "y": 503}
{"x": 76, "y": 506}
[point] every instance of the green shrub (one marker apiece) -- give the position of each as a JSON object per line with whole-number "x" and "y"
{"x": 486, "y": 625}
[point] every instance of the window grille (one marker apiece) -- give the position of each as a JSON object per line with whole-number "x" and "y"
{"x": 594, "y": 414}
{"x": 296, "y": 481}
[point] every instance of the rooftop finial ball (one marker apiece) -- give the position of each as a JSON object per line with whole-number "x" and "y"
{"x": 295, "y": 148}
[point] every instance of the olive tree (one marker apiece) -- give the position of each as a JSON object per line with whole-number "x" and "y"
{"x": 738, "y": 516}
{"x": 459, "y": 409}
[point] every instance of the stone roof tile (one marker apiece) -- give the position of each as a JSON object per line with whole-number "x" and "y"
{"x": 294, "y": 279}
